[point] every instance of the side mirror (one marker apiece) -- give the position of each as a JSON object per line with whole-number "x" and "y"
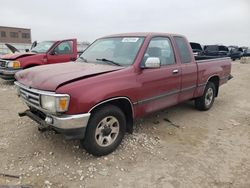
{"x": 27, "y": 50}
{"x": 152, "y": 62}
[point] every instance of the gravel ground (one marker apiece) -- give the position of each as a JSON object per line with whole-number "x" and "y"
{"x": 177, "y": 147}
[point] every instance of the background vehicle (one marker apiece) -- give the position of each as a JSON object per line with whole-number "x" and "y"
{"x": 235, "y": 52}
{"x": 247, "y": 53}
{"x": 197, "y": 48}
{"x": 116, "y": 80}
{"x": 216, "y": 50}
{"x": 47, "y": 52}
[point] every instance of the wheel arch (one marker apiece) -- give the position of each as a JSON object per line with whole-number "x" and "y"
{"x": 215, "y": 79}
{"x": 125, "y": 104}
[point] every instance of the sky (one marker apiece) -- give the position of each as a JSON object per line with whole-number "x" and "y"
{"x": 204, "y": 21}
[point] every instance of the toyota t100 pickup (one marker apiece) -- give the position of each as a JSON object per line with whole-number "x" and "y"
{"x": 116, "y": 80}
{"x": 47, "y": 52}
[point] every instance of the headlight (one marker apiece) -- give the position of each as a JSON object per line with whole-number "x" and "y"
{"x": 14, "y": 64}
{"x": 55, "y": 103}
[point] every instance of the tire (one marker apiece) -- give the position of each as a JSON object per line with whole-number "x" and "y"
{"x": 105, "y": 131}
{"x": 205, "y": 102}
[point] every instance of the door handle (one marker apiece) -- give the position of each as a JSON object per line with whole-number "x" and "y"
{"x": 175, "y": 71}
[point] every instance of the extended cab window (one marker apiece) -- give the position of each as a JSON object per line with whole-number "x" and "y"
{"x": 114, "y": 50}
{"x": 160, "y": 47}
{"x": 65, "y": 47}
{"x": 183, "y": 49}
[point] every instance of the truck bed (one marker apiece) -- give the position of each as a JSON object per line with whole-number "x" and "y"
{"x": 214, "y": 66}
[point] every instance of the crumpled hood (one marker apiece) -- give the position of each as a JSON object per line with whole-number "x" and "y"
{"x": 49, "y": 77}
{"x": 16, "y": 55}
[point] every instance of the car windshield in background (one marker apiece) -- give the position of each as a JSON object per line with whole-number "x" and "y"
{"x": 223, "y": 48}
{"x": 117, "y": 51}
{"x": 196, "y": 46}
{"x": 212, "y": 48}
{"x": 42, "y": 47}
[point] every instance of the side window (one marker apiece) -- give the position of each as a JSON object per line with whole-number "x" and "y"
{"x": 183, "y": 50}
{"x": 64, "y": 48}
{"x": 3, "y": 34}
{"x": 160, "y": 47}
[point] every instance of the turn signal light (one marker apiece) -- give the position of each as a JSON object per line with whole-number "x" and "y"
{"x": 63, "y": 103}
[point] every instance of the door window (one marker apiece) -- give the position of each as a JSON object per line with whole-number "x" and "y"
{"x": 160, "y": 47}
{"x": 65, "y": 47}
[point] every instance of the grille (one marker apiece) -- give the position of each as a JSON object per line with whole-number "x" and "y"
{"x": 3, "y": 63}
{"x": 30, "y": 96}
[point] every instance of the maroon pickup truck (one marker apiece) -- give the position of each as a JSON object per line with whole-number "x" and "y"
{"x": 47, "y": 52}
{"x": 116, "y": 80}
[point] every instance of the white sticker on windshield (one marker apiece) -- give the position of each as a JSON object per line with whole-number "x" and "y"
{"x": 130, "y": 39}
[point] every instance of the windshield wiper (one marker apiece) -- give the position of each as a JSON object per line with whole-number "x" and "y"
{"x": 34, "y": 51}
{"x": 82, "y": 58}
{"x": 108, "y": 61}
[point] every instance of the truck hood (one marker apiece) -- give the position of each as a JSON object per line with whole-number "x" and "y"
{"x": 16, "y": 55}
{"x": 11, "y": 48}
{"x": 50, "y": 77}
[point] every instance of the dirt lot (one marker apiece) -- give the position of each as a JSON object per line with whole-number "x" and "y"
{"x": 198, "y": 149}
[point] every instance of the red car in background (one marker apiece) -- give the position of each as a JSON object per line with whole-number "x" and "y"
{"x": 44, "y": 53}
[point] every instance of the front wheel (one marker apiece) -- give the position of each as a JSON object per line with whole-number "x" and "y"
{"x": 206, "y": 101}
{"x": 105, "y": 130}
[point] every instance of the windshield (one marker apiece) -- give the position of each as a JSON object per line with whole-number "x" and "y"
{"x": 195, "y": 46}
{"x": 223, "y": 48}
{"x": 117, "y": 51}
{"x": 212, "y": 48}
{"x": 42, "y": 47}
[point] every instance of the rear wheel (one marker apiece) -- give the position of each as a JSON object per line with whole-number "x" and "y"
{"x": 206, "y": 101}
{"x": 105, "y": 130}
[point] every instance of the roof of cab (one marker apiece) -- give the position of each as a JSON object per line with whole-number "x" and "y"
{"x": 141, "y": 34}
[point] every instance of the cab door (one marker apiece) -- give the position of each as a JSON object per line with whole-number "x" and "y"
{"x": 159, "y": 86}
{"x": 63, "y": 51}
{"x": 188, "y": 69}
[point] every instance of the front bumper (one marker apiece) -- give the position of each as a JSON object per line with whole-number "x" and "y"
{"x": 8, "y": 74}
{"x": 71, "y": 126}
